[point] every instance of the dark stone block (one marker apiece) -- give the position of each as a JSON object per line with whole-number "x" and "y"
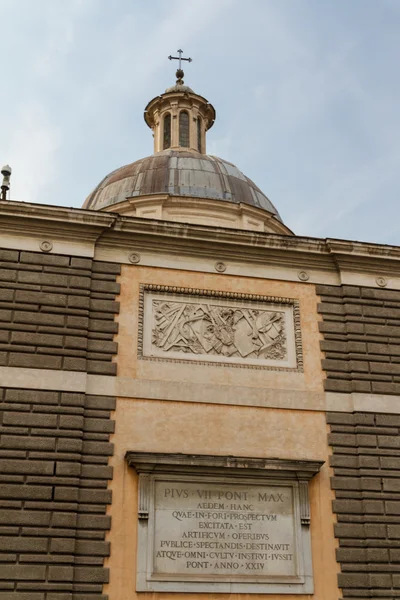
{"x": 353, "y": 580}
{"x": 100, "y": 367}
{"x": 88, "y": 574}
{"x": 71, "y": 363}
{"x": 9, "y": 255}
{"x": 25, "y": 492}
{"x": 30, "y": 419}
{"x": 37, "y": 258}
{"x": 8, "y": 275}
{"x": 105, "y": 267}
{"x": 58, "y": 573}
{"x": 337, "y": 385}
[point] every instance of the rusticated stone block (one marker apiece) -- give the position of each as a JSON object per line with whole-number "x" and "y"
{"x": 377, "y": 555}
{"x": 340, "y": 418}
{"x": 347, "y": 506}
{"x": 352, "y": 555}
{"x": 97, "y": 472}
{"x": 34, "y": 361}
{"x": 353, "y": 580}
{"x": 89, "y": 496}
{"x": 74, "y": 364}
{"x": 8, "y": 275}
{"x": 17, "y": 595}
{"x": 26, "y": 492}
{"x": 101, "y": 402}
{"x": 36, "y": 258}
{"x": 92, "y": 548}
{"x": 328, "y": 290}
{"x": 99, "y": 425}
{"x": 62, "y": 545}
{"x": 380, "y": 580}
{"x": 101, "y": 368}
{"x": 71, "y": 422}
{"x": 385, "y": 387}
{"x": 23, "y": 572}
{"x": 23, "y": 544}
{"x": 98, "y": 522}
{"x": 48, "y": 480}
{"x": 31, "y": 396}
{"x": 58, "y": 573}
{"x": 330, "y": 308}
{"x": 81, "y": 263}
{"x": 104, "y": 448}
{"x": 30, "y": 419}
{"x": 108, "y": 287}
{"x": 9, "y": 255}
{"x": 337, "y": 385}
{"x": 389, "y": 441}
{"x": 90, "y": 575}
{"x": 388, "y": 420}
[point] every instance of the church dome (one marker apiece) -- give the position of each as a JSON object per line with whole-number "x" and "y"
{"x": 180, "y": 182}
{"x": 179, "y": 173}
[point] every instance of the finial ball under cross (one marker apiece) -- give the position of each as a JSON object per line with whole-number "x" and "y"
{"x": 179, "y": 72}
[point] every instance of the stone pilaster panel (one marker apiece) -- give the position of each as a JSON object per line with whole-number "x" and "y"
{"x": 361, "y": 331}
{"x": 366, "y": 461}
{"x": 57, "y": 312}
{"x": 54, "y": 472}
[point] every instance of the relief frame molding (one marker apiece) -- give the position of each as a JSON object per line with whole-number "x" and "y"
{"x": 206, "y": 470}
{"x": 179, "y": 293}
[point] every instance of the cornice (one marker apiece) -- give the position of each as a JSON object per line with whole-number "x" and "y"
{"x": 156, "y": 462}
{"x": 55, "y": 213}
{"x": 109, "y": 232}
{"x": 80, "y": 226}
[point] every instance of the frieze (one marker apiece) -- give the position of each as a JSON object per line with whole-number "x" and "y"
{"x": 219, "y": 328}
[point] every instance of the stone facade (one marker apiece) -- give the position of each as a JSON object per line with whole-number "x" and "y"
{"x": 54, "y": 452}
{"x": 57, "y": 315}
{"x": 57, "y": 312}
{"x": 79, "y": 393}
{"x": 365, "y": 461}
{"x": 361, "y": 339}
{"x": 361, "y": 344}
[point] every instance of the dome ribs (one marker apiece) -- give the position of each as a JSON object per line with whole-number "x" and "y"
{"x": 179, "y": 173}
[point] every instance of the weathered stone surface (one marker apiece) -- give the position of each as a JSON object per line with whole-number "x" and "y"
{"x": 47, "y": 478}
{"x": 362, "y": 356}
{"x": 367, "y": 504}
{"x": 49, "y": 313}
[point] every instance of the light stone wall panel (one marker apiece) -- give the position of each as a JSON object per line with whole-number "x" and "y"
{"x": 168, "y": 427}
{"x": 310, "y": 379}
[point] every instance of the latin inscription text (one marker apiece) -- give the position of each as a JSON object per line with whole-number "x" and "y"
{"x": 224, "y": 530}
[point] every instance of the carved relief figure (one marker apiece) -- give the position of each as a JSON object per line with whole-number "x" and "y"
{"x": 204, "y": 328}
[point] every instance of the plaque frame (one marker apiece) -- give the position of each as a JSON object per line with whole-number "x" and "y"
{"x": 153, "y": 468}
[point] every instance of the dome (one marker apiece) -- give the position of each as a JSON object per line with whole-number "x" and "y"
{"x": 180, "y": 182}
{"x": 179, "y": 173}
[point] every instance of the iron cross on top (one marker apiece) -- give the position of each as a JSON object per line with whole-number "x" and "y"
{"x": 180, "y": 58}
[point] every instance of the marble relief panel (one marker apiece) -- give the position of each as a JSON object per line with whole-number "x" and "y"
{"x": 222, "y": 328}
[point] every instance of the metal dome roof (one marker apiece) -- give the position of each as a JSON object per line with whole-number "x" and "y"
{"x": 179, "y": 173}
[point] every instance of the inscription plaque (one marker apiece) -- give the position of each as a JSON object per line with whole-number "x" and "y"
{"x": 226, "y": 531}
{"x": 223, "y": 531}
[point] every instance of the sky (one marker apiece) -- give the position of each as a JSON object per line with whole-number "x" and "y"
{"x": 307, "y": 95}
